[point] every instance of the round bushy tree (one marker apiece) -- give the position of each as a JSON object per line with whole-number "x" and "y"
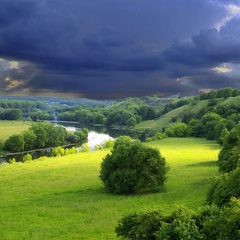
{"x": 14, "y": 143}
{"x": 132, "y": 167}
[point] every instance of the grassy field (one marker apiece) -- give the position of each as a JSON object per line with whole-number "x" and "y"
{"x": 62, "y": 198}
{"x": 8, "y": 128}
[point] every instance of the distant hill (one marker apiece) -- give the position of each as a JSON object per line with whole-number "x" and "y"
{"x": 193, "y": 109}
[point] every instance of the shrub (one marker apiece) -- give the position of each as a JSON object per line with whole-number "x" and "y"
{"x": 27, "y": 158}
{"x": 179, "y": 130}
{"x": 12, "y": 160}
{"x": 73, "y": 150}
{"x": 85, "y": 148}
{"x": 226, "y": 224}
{"x": 149, "y": 139}
{"x": 66, "y": 151}
{"x": 181, "y": 225}
{"x": 225, "y": 187}
{"x": 58, "y": 151}
{"x": 139, "y": 226}
{"x": 97, "y": 147}
{"x": 152, "y": 225}
{"x": 108, "y": 144}
{"x": 209, "y": 222}
{"x": 228, "y": 158}
{"x": 160, "y": 135}
{"x": 132, "y": 167}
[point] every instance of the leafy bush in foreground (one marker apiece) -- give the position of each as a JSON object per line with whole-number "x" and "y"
{"x": 225, "y": 187}
{"x": 228, "y": 158}
{"x": 132, "y": 167}
{"x": 208, "y": 223}
{"x": 139, "y": 226}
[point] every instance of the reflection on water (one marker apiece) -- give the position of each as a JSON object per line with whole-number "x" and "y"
{"x": 96, "y": 136}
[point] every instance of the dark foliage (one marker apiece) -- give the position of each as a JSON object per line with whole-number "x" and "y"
{"x": 224, "y": 188}
{"x": 132, "y": 167}
{"x": 228, "y": 158}
{"x": 208, "y": 223}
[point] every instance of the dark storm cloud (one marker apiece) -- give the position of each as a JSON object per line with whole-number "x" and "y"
{"x": 208, "y": 48}
{"x": 12, "y": 11}
{"x": 115, "y": 48}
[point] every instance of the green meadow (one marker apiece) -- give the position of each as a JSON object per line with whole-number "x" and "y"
{"x": 8, "y": 128}
{"x": 63, "y": 198}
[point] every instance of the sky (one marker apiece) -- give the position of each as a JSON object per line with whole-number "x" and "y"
{"x": 103, "y": 49}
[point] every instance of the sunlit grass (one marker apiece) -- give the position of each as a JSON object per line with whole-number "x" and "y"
{"x": 8, "y": 128}
{"x": 63, "y": 198}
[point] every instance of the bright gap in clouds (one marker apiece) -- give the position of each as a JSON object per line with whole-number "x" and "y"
{"x": 233, "y": 11}
{"x": 223, "y": 68}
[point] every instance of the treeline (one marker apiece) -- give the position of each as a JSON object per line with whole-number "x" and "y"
{"x": 23, "y": 109}
{"x": 212, "y": 121}
{"x": 43, "y": 135}
{"x": 221, "y": 93}
{"x": 126, "y": 112}
{"x": 218, "y": 220}
{"x": 211, "y": 126}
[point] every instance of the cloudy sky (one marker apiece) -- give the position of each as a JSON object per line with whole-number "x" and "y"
{"x": 118, "y": 48}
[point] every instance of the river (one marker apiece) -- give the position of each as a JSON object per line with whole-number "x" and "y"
{"x": 96, "y": 135}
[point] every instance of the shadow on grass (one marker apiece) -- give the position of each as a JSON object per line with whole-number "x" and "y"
{"x": 204, "y": 164}
{"x": 102, "y": 192}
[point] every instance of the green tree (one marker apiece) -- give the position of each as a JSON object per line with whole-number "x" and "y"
{"x": 11, "y": 114}
{"x": 29, "y": 139}
{"x": 228, "y": 158}
{"x": 181, "y": 225}
{"x": 178, "y": 130}
{"x": 48, "y": 135}
{"x": 146, "y": 112}
{"x": 98, "y": 118}
{"x": 195, "y": 128}
{"x": 132, "y": 167}
{"x": 209, "y": 122}
{"x": 140, "y": 226}
{"x": 207, "y": 223}
{"x": 41, "y": 133}
{"x": 225, "y": 225}
{"x": 57, "y": 135}
{"x": 224, "y": 188}
{"x": 131, "y": 122}
{"x": 14, "y": 143}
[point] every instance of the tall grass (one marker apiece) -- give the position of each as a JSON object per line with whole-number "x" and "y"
{"x": 63, "y": 198}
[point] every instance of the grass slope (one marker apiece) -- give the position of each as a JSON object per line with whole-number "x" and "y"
{"x": 191, "y": 109}
{"x": 162, "y": 122}
{"x": 63, "y": 198}
{"x": 8, "y": 128}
